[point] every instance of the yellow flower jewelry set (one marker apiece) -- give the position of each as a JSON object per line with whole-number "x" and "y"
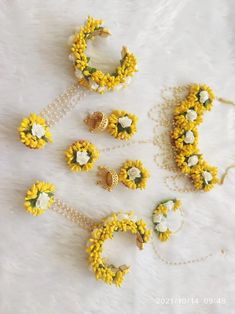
{"x": 187, "y": 108}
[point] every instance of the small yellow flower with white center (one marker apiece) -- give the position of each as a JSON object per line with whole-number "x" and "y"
{"x": 122, "y": 125}
{"x": 34, "y": 132}
{"x": 39, "y": 198}
{"x": 134, "y": 175}
{"x": 81, "y": 156}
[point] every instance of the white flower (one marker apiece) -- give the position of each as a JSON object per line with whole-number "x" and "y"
{"x": 191, "y": 115}
{"x": 72, "y": 57}
{"x": 125, "y": 122}
{"x": 93, "y": 84}
{"x": 82, "y": 158}
{"x": 134, "y": 173}
{"x": 204, "y": 96}
{"x": 207, "y": 176}
{"x": 128, "y": 80}
{"x": 102, "y": 89}
{"x": 122, "y": 216}
{"x": 70, "y": 40}
{"x": 189, "y": 137}
{"x": 38, "y": 130}
{"x": 119, "y": 86}
{"x": 169, "y": 205}
{"x": 193, "y": 160}
{"x": 157, "y": 218}
{"x": 161, "y": 227}
{"x": 42, "y": 200}
{"x": 78, "y": 74}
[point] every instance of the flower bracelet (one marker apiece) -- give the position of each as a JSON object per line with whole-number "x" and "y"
{"x": 40, "y": 197}
{"x": 34, "y": 130}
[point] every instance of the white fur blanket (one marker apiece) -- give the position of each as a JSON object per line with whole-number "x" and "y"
{"x": 43, "y": 267}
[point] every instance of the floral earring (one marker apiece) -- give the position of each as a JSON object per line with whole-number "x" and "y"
{"x": 132, "y": 174}
{"x": 81, "y": 156}
{"x": 120, "y": 124}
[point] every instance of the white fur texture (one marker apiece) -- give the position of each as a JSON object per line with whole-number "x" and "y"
{"x": 43, "y": 266}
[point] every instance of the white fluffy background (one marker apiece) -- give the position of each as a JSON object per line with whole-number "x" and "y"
{"x": 42, "y": 261}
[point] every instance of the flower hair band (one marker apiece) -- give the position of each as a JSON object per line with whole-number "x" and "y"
{"x": 40, "y": 197}
{"x": 132, "y": 174}
{"x": 120, "y": 124}
{"x": 34, "y": 130}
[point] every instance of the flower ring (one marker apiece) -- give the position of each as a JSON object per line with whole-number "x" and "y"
{"x": 34, "y": 132}
{"x": 160, "y": 218}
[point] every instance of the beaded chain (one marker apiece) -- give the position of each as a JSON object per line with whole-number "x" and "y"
{"x": 73, "y": 215}
{"x": 64, "y": 103}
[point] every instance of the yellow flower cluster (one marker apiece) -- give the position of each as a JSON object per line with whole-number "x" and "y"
{"x": 114, "y": 223}
{"x": 188, "y": 115}
{"x": 90, "y": 77}
{"x": 134, "y": 175}
{"x": 122, "y": 125}
{"x": 34, "y": 132}
{"x": 160, "y": 213}
{"x": 39, "y": 198}
{"x": 81, "y": 156}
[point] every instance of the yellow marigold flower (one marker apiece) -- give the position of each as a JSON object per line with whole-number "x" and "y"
{"x": 39, "y": 198}
{"x": 134, "y": 175}
{"x": 122, "y": 125}
{"x": 111, "y": 274}
{"x": 34, "y": 132}
{"x": 90, "y": 77}
{"x": 81, "y": 156}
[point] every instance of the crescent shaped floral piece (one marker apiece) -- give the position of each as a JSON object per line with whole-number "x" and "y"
{"x": 120, "y": 222}
{"x": 40, "y": 197}
{"x": 159, "y": 218}
{"x": 90, "y": 77}
{"x": 188, "y": 115}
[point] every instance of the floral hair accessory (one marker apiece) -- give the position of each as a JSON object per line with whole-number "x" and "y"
{"x": 81, "y": 156}
{"x": 132, "y": 174}
{"x": 120, "y": 124}
{"x": 90, "y": 77}
{"x": 41, "y": 197}
{"x": 34, "y": 131}
{"x": 161, "y": 218}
